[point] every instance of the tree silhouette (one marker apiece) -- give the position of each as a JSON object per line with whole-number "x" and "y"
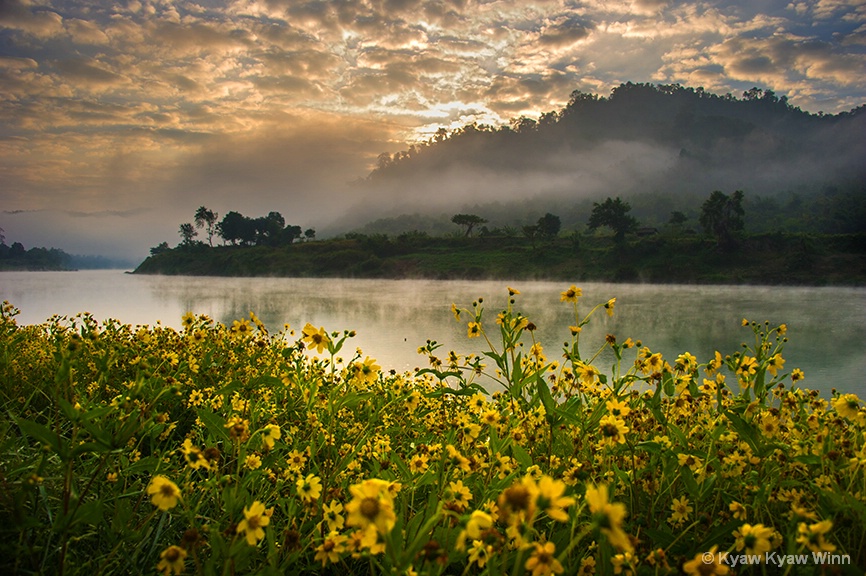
{"x": 232, "y": 227}
{"x": 187, "y": 232}
{"x": 468, "y": 220}
{"x": 548, "y": 226}
{"x": 207, "y": 219}
{"x": 615, "y": 215}
{"x": 269, "y": 228}
{"x": 722, "y": 216}
{"x": 677, "y": 218}
{"x": 531, "y": 232}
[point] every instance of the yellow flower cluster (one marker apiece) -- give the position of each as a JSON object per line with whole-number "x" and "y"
{"x": 255, "y": 452}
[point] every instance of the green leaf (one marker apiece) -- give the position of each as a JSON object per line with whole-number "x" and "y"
{"x": 42, "y": 434}
{"x": 547, "y": 401}
{"x": 689, "y": 480}
{"x": 89, "y": 513}
{"x": 521, "y": 455}
{"x": 91, "y": 447}
{"x": 68, "y": 410}
{"x": 214, "y": 423}
{"x": 467, "y": 390}
{"x": 668, "y": 384}
{"x": 652, "y": 447}
{"x": 439, "y": 374}
{"x": 746, "y": 431}
{"x": 681, "y": 438}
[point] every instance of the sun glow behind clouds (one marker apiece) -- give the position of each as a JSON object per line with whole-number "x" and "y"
{"x": 107, "y": 103}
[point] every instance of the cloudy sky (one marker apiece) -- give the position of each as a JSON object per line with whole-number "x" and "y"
{"x": 119, "y": 118}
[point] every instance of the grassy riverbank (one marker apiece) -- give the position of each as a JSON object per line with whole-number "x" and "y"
{"x": 760, "y": 259}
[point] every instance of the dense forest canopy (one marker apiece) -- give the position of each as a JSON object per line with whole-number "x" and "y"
{"x": 662, "y": 147}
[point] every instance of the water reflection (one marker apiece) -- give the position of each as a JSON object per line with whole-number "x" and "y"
{"x": 394, "y": 317}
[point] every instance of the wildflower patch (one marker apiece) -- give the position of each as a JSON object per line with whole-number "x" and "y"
{"x": 228, "y": 449}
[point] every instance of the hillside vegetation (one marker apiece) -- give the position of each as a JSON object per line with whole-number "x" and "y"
{"x": 763, "y": 259}
{"x": 708, "y": 189}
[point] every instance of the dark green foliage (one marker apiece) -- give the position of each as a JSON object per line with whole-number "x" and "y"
{"x": 549, "y": 226}
{"x": 16, "y": 257}
{"x": 722, "y": 216}
{"x": 775, "y": 258}
{"x": 469, "y": 221}
{"x": 187, "y": 233}
{"x": 615, "y": 215}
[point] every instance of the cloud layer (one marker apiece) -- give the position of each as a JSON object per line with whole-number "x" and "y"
{"x": 154, "y": 107}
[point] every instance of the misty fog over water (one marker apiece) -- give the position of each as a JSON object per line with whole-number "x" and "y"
{"x": 393, "y": 318}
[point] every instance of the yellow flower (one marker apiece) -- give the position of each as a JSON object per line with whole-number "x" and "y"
{"x": 418, "y": 463}
{"x": 238, "y": 428}
{"x": 194, "y": 457}
{"x": 738, "y": 510}
{"x": 586, "y": 372}
{"x": 474, "y": 329}
{"x": 681, "y": 510}
{"x": 455, "y": 311}
{"x": 458, "y": 493}
{"x": 797, "y": 375}
{"x": 769, "y": 424}
{"x": 747, "y": 367}
{"x": 331, "y": 548}
{"x": 543, "y": 562}
{"x": 270, "y": 434}
{"x": 587, "y": 566}
{"x": 296, "y": 460}
{"x": 608, "y": 306}
{"x": 847, "y": 406}
{"x": 686, "y": 362}
{"x": 775, "y": 363}
{"x": 608, "y": 516}
{"x": 188, "y": 320}
{"x": 366, "y": 371}
{"x": 812, "y": 536}
{"x": 617, "y": 408}
{"x": 241, "y": 328}
{"x": 613, "y": 430}
{"x": 171, "y": 560}
{"x": 309, "y": 488}
{"x": 480, "y": 553}
{"x": 754, "y": 539}
{"x": 331, "y": 514}
{"x": 163, "y": 493}
{"x": 624, "y": 563}
{"x": 253, "y": 461}
{"x": 371, "y": 505}
{"x": 517, "y": 502}
{"x": 699, "y": 565}
{"x": 512, "y": 291}
{"x": 571, "y": 295}
{"x": 255, "y": 519}
{"x": 550, "y": 498}
{"x": 478, "y": 522}
{"x": 315, "y": 339}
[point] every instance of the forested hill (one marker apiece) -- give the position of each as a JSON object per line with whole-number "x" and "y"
{"x": 641, "y": 139}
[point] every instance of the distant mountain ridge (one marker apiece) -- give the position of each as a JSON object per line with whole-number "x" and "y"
{"x": 643, "y": 140}
{"x": 700, "y": 123}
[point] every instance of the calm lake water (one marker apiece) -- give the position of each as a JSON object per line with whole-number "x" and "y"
{"x": 393, "y": 318}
